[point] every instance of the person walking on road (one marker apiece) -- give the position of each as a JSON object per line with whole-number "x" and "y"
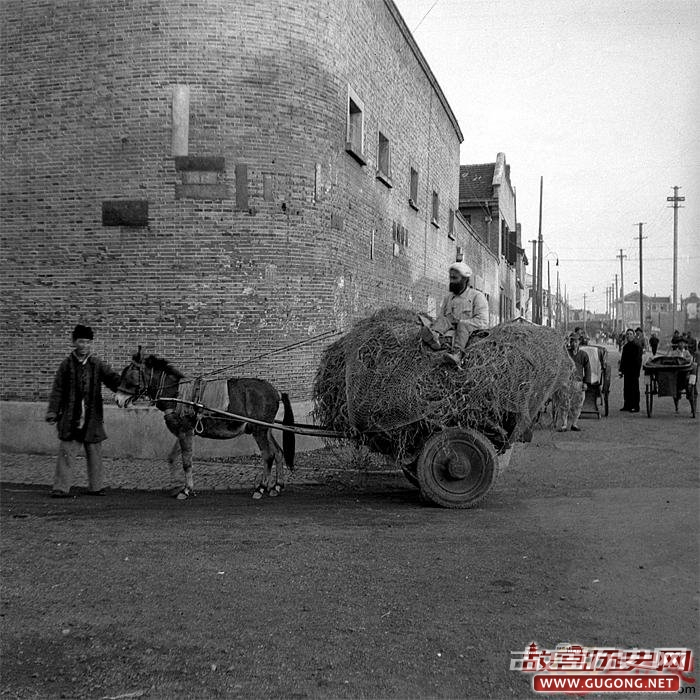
{"x": 75, "y": 407}
{"x": 629, "y": 368}
{"x": 654, "y": 343}
{"x": 570, "y": 411}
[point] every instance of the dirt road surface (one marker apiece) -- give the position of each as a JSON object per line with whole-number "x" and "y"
{"x": 356, "y": 590}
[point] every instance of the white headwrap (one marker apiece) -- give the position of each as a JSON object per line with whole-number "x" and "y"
{"x": 462, "y": 268}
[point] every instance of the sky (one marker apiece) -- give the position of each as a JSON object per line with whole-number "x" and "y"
{"x": 601, "y": 100}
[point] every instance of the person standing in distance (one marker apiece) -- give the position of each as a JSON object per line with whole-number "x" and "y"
{"x": 75, "y": 407}
{"x": 629, "y": 368}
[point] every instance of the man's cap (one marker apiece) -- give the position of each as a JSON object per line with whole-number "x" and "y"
{"x": 81, "y": 331}
{"x": 462, "y": 268}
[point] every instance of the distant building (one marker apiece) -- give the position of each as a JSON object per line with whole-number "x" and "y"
{"x": 487, "y": 201}
{"x": 658, "y": 316}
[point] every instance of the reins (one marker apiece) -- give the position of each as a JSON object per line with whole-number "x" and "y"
{"x": 321, "y": 336}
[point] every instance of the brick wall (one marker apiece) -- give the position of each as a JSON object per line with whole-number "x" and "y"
{"x": 297, "y": 238}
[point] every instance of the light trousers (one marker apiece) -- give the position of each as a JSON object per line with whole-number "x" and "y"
{"x": 568, "y": 412}
{"x": 67, "y": 453}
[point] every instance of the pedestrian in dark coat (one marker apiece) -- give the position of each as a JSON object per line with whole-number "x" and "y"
{"x": 654, "y": 343}
{"x": 629, "y": 368}
{"x": 75, "y": 406}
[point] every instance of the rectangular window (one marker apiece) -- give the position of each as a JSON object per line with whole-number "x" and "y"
{"x": 435, "y": 218}
{"x": 413, "y": 195}
{"x": 399, "y": 234}
{"x": 384, "y": 160}
{"x": 355, "y": 136}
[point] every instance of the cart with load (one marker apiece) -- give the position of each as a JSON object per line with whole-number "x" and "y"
{"x": 449, "y": 428}
{"x": 670, "y": 375}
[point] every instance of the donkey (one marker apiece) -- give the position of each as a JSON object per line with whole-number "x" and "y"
{"x": 253, "y": 398}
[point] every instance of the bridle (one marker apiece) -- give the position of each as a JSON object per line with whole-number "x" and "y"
{"x": 144, "y": 383}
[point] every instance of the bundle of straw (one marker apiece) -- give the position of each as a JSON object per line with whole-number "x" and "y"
{"x": 380, "y": 385}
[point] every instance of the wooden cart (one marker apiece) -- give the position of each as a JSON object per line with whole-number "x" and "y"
{"x": 454, "y": 468}
{"x": 670, "y": 375}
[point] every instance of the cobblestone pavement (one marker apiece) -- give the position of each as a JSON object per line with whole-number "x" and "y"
{"x": 341, "y": 467}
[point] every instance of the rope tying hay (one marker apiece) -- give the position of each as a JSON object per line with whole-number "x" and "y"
{"x": 380, "y": 385}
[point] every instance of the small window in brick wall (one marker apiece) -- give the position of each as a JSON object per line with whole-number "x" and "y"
{"x": 400, "y": 237}
{"x": 413, "y": 194}
{"x": 435, "y": 218}
{"x": 355, "y": 127}
{"x": 384, "y": 160}
{"x": 451, "y": 225}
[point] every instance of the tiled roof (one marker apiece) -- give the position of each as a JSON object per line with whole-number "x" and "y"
{"x": 634, "y": 296}
{"x": 475, "y": 182}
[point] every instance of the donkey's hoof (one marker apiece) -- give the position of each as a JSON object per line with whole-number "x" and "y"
{"x": 259, "y": 493}
{"x": 275, "y": 490}
{"x": 185, "y": 493}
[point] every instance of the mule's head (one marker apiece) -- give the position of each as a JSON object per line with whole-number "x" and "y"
{"x": 133, "y": 382}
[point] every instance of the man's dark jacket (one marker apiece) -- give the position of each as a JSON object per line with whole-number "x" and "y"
{"x": 631, "y": 358}
{"x": 66, "y": 395}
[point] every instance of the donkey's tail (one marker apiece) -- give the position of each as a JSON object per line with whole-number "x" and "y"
{"x": 288, "y": 437}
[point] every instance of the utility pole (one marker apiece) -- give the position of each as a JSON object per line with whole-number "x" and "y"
{"x": 617, "y": 315}
{"x": 539, "y": 259}
{"x": 675, "y": 199}
{"x": 584, "y": 314}
{"x": 549, "y": 298}
{"x": 622, "y": 287}
{"x": 641, "y": 281}
{"x": 566, "y": 311}
{"x": 534, "y": 280}
{"x": 557, "y": 322}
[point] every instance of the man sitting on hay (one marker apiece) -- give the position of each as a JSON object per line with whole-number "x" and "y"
{"x": 463, "y": 311}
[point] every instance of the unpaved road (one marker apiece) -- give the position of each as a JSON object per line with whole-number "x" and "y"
{"x": 334, "y": 592}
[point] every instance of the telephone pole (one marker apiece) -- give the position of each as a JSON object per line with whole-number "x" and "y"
{"x": 641, "y": 281}
{"x": 622, "y": 287}
{"x": 675, "y": 199}
{"x": 549, "y": 298}
{"x": 539, "y": 260}
{"x": 584, "y": 314}
{"x": 534, "y": 280}
{"x": 617, "y": 315}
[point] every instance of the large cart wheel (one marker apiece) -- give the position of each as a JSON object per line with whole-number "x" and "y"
{"x": 456, "y": 468}
{"x": 650, "y": 399}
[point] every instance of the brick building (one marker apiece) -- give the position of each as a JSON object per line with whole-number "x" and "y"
{"x": 218, "y": 180}
{"x": 487, "y": 201}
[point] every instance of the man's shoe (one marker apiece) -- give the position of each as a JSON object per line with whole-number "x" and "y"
{"x": 453, "y": 358}
{"x": 575, "y": 428}
{"x": 101, "y": 492}
{"x": 624, "y": 409}
{"x": 562, "y": 430}
{"x": 429, "y": 339}
{"x": 634, "y": 410}
{"x": 60, "y": 494}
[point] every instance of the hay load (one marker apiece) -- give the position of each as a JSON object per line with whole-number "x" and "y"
{"x": 381, "y": 386}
